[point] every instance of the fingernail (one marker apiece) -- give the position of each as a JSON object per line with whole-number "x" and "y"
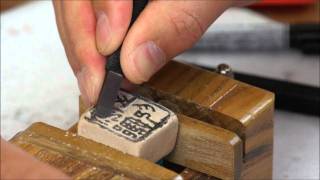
{"x": 103, "y": 32}
{"x": 148, "y": 59}
{"x": 89, "y": 86}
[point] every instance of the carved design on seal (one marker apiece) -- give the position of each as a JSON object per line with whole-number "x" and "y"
{"x": 133, "y": 118}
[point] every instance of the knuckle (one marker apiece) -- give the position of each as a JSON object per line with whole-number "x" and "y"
{"x": 187, "y": 25}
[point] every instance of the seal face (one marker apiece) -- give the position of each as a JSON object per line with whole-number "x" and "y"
{"x": 136, "y": 126}
{"x": 133, "y": 118}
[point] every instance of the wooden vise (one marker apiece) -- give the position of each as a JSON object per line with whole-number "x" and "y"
{"x": 225, "y": 132}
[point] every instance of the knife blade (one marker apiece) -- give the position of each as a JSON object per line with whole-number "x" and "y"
{"x": 114, "y": 75}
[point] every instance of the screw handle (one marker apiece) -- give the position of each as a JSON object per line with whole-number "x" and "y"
{"x": 113, "y": 62}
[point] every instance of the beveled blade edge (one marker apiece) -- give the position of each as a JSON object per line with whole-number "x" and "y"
{"x": 108, "y": 94}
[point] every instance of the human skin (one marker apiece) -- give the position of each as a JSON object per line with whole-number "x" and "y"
{"x": 17, "y": 164}
{"x": 92, "y": 30}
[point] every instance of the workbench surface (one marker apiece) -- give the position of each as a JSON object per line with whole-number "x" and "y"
{"x": 36, "y": 79}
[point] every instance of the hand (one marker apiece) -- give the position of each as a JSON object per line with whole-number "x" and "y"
{"x": 91, "y": 30}
{"x": 17, "y": 164}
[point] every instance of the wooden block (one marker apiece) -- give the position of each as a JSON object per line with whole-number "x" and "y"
{"x": 136, "y": 126}
{"x": 240, "y": 111}
{"x": 224, "y": 102}
{"x": 189, "y": 174}
{"x": 82, "y": 158}
{"x": 204, "y": 147}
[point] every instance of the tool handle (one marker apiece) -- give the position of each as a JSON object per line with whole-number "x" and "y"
{"x": 113, "y": 62}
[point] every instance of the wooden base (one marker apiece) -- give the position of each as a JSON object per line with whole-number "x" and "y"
{"x": 82, "y": 158}
{"x": 225, "y": 130}
{"x": 224, "y": 102}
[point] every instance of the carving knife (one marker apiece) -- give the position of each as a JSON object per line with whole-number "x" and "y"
{"x": 114, "y": 75}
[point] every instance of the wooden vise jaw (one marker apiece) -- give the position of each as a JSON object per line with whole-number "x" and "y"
{"x": 225, "y": 131}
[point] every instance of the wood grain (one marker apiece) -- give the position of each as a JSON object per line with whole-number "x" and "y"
{"x": 235, "y": 120}
{"x": 81, "y": 158}
{"x": 224, "y": 102}
{"x": 189, "y": 174}
{"x": 8, "y": 4}
{"x": 206, "y": 148}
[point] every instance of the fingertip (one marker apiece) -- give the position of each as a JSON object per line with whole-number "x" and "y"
{"x": 113, "y": 18}
{"x": 103, "y": 33}
{"x": 128, "y": 86}
{"x": 162, "y": 31}
{"x": 90, "y": 83}
{"x": 79, "y": 27}
{"x": 143, "y": 62}
{"x": 130, "y": 72}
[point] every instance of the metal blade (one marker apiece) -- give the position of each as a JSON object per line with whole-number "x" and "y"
{"x": 108, "y": 94}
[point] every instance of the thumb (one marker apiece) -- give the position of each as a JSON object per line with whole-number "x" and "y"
{"x": 163, "y": 30}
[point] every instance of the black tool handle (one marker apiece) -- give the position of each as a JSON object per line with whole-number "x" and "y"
{"x": 113, "y": 62}
{"x": 305, "y": 37}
